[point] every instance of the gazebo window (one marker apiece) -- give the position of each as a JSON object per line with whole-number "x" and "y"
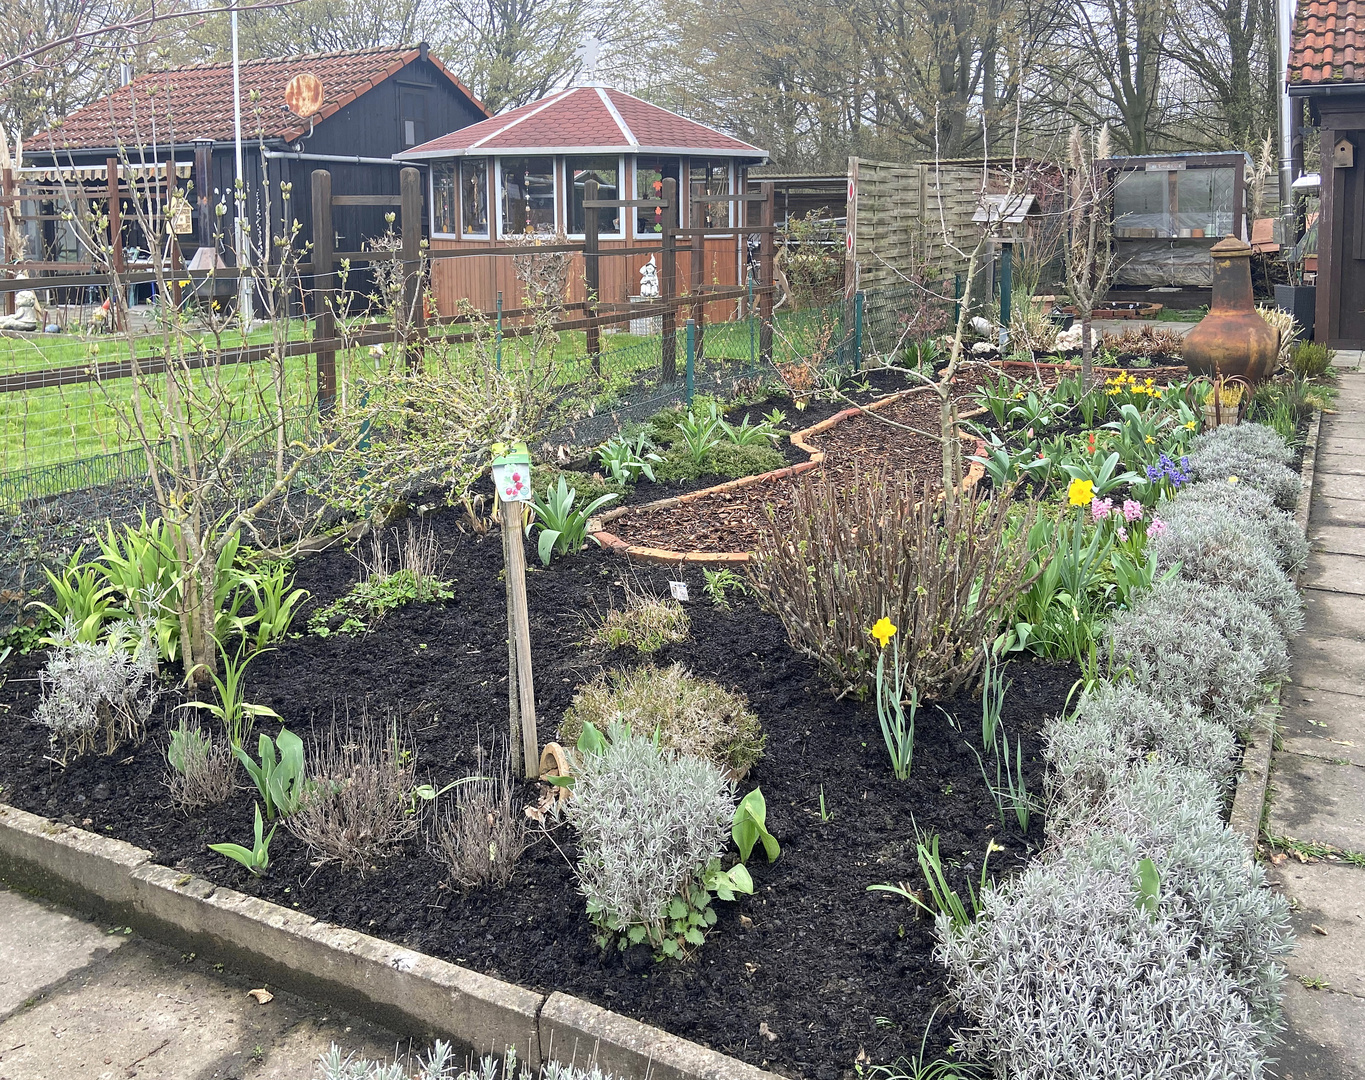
{"x": 474, "y": 197}
{"x": 443, "y": 206}
{"x": 650, "y": 174}
{"x": 528, "y": 195}
{"x": 712, "y": 175}
{"x": 606, "y": 171}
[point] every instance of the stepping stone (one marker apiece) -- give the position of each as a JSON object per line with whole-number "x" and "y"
{"x": 1338, "y": 539}
{"x": 1323, "y": 724}
{"x": 1316, "y": 800}
{"x": 1329, "y": 663}
{"x": 41, "y": 946}
{"x": 1325, "y": 1039}
{"x": 1331, "y": 897}
{"x": 1338, "y": 573}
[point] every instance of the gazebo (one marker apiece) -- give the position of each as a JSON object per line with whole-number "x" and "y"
{"x": 526, "y": 171}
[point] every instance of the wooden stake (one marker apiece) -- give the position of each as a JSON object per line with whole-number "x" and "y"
{"x": 521, "y": 696}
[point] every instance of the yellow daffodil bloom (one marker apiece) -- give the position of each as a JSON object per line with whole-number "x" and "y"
{"x": 1080, "y": 492}
{"x": 883, "y": 630}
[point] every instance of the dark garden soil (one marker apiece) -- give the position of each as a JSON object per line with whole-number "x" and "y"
{"x": 807, "y": 976}
{"x": 898, "y": 438}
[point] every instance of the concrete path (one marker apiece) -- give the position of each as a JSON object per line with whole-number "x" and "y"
{"x": 1317, "y": 795}
{"x": 79, "y": 1001}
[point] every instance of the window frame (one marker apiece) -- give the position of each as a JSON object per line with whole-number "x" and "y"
{"x": 635, "y": 188}
{"x": 431, "y": 199}
{"x": 556, "y": 174}
{"x": 568, "y": 196}
{"x": 730, "y": 190}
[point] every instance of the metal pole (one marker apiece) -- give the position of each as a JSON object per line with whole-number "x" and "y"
{"x": 691, "y": 359}
{"x": 1284, "y": 19}
{"x": 753, "y": 327}
{"x": 858, "y": 330}
{"x": 1006, "y": 286}
{"x": 498, "y": 340}
{"x": 244, "y": 313}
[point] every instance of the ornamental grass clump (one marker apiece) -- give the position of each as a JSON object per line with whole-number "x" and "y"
{"x": 1250, "y": 454}
{"x": 891, "y": 547}
{"x": 482, "y": 835}
{"x": 646, "y": 623}
{"x": 1223, "y": 551}
{"x": 98, "y": 695}
{"x": 1115, "y": 729}
{"x": 651, "y": 823}
{"x": 1209, "y": 646}
{"x": 692, "y": 715}
{"x": 1065, "y": 977}
{"x": 1252, "y": 510}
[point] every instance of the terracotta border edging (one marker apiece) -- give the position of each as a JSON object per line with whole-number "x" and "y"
{"x": 410, "y": 992}
{"x": 1253, "y": 778}
{"x": 663, "y": 557}
{"x": 1038, "y": 365}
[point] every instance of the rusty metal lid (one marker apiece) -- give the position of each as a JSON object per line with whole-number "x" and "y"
{"x": 1230, "y": 246}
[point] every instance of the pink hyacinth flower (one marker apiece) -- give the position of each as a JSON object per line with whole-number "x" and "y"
{"x": 1132, "y": 510}
{"x": 1101, "y": 508}
{"x": 1122, "y": 534}
{"x": 1156, "y": 528}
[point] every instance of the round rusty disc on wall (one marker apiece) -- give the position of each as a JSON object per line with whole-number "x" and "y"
{"x": 303, "y": 95}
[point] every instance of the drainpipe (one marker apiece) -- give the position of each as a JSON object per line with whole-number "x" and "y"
{"x": 1290, "y": 123}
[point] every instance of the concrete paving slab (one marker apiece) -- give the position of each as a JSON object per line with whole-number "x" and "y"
{"x": 1334, "y": 464}
{"x": 1336, "y": 444}
{"x": 1339, "y": 574}
{"x": 1318, "y": 800}
{"x": 1323, "y": 724}
{"x": 40, "y": 945}
{"x": 1338, "y": 428}
{"x": 1338, "y": 539}
{"x": 144, "y": 1012}
{"x": 1335, "y": 611}
{"x": 1328, "y": 510}
{"x": 1325, "y": 1039}
{"x": 1340, "y": 485}
{"x": 1329, "y": 663}
{"x": 1328, "y": 901}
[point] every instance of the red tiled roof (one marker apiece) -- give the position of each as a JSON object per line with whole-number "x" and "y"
{"x": 1326, "y": 46}
{"x": 590, "y": 119}
{"x": 196, "y": 102}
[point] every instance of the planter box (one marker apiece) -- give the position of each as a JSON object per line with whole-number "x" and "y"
{"x": 1301, "y": 301}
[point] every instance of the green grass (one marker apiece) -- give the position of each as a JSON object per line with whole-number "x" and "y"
{"x": 58, "y": 425}
{"x": 1181, "y": 314}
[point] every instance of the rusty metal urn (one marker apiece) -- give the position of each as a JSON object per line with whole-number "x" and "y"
{"x": 1232, "y": 339}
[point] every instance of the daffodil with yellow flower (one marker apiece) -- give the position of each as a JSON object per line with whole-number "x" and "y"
{"x": 883, "y": 630}
{"x": 1080, "y": 492}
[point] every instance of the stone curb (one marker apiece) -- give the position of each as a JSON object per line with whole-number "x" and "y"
{"x": 410, "y": 992}
{"x": 663, "y": 557}
{"x": 1253, "y": 778}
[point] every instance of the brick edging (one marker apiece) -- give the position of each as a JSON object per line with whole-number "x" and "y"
{"x": 1253, "y": 777}
{"x": 664, "y": 557}
{"x": 407, "y": 991}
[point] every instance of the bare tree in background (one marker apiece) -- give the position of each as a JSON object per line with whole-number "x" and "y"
{"x": 1090, "y": 259}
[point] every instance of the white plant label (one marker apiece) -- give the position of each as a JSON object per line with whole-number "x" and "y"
{"x": 678, "y": 590}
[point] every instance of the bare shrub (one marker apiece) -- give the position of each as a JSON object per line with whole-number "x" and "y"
{"x": 96, "y": 696}
{"x": 417, "y": 553}
{"x": 692, "y": 715}
{"x": 1147, "y": 341}
{"x": 358, "y": 808}
{"x": 480, "y": 838}
{"x": 883, "y": 546}
{"x": 202, "y": 772}
{"x": 646, "y": 623}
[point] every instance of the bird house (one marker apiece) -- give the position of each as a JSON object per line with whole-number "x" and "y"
{"x": 1344, "y": 154}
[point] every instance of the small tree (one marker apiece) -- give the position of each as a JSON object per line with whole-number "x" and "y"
{"x": 1090, "y": 260}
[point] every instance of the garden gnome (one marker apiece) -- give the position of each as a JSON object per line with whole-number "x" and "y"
{"x": 649, "y": 279}
{"x": 26, "y": 315}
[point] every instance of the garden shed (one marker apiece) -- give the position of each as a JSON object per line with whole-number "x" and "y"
{"x": 526, "y": 172}
{"x": 373, "y": 103}
{"x": 1169, "y": 211}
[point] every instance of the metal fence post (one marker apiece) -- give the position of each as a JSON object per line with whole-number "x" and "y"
{"x": 497, "y": 345}
{"x": 1006, "y": 285}
{"x": 858, "y": 330}
{"x": 691, "y": 360}
{"x": 753, "y": 327}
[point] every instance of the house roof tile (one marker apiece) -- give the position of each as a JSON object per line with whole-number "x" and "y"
{"x": 195, "y": 102}
{"x": 586, "y": 119}
{"x": 1328, "y": 45}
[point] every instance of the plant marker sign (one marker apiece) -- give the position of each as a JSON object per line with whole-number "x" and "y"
{"x": 512, "y": 479}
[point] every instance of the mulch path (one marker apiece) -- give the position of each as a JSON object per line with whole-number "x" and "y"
{"x": 734, "y": 520}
